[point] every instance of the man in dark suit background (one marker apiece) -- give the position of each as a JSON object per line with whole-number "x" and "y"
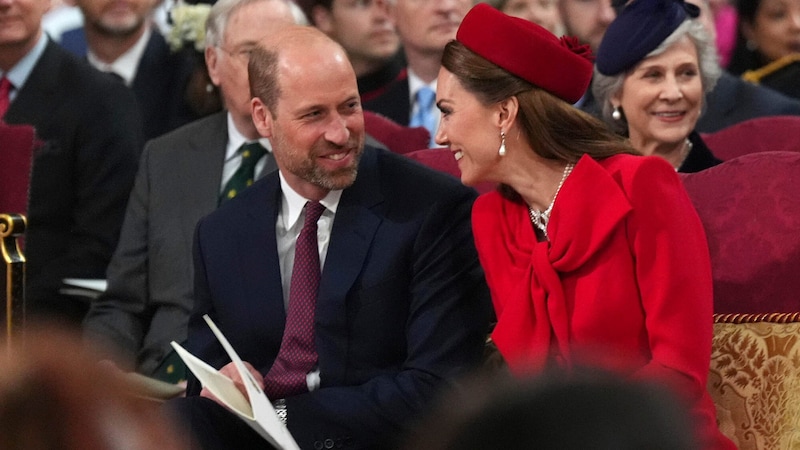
{"x": 401, "y": 307}
{"x": 369, "y": 37}
{"x": 180, "y": 179}
{"x": 425, "y": 27}
{"x": 119, "y": 37}
{"x": 83, "y": 173}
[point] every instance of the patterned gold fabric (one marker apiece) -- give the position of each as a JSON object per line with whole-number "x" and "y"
{"x": 755, "y": 379}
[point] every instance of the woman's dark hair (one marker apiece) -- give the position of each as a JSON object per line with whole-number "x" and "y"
{"x": 744, "y": 57}
{"x": 554, "y": 128}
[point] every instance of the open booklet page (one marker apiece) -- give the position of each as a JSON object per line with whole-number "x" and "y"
{"x": 258, "y": 411}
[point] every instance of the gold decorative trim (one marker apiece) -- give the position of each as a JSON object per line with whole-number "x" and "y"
{"x": 757, "y": 317}
{"x": 755, "y": 76}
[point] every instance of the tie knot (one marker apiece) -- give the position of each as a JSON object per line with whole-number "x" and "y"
{"x": 252, "y": 151}
{"x": 313, "y": 211}
{"x": 425, "y": 97}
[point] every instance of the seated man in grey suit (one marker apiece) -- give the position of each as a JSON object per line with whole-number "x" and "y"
{"x": 183, "y": 176}
{"x": 349, "y": 279}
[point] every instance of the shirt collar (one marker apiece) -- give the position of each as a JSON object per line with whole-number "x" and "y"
{"x": 293, "y": 202}
{"x": 125, "y": 66}
{"x": 19, "y": 74}
{"x": 236, "y": 139}
{"x": 415, "y": 83}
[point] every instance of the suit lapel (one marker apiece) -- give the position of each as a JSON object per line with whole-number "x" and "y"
{"x": 259, "y": 252}
{"x": 40, "y": 89}
{"x": 200, "y": 170}
{"x": 357, "y": 221}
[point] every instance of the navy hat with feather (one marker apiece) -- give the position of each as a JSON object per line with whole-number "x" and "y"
{"x": 638, "y": 30}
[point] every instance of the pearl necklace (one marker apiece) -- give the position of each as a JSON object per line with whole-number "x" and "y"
{"x": 540, "y": 219}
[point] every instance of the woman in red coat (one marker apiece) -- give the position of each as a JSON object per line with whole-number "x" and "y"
{"x": 593, "y": 256}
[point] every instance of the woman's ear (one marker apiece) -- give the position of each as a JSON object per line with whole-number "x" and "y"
{"x": 507, "y": 112}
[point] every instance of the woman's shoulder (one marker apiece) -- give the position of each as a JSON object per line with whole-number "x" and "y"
{"x": 627, "y": 167}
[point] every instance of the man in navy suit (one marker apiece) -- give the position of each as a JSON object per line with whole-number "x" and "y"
{"x": 402, "y": 307}
{"x": 119, "y": 37}
{"x": 83, "y": 172}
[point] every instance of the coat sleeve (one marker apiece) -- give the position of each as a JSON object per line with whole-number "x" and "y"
{"x": 673, "y": 271}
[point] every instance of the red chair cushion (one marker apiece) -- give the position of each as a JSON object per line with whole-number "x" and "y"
{"x": 762, "y": 134}
{"x": 17, "y": 143}
{"x": 442, "y": 159}
{"x": 750, "y": 209}
{"x": 397, "y": 138}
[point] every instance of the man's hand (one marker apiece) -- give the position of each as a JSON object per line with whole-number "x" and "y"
{"x": 229, "y": 370}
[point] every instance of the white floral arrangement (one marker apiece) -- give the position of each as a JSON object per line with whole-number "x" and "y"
{"x": 188, "y": 26}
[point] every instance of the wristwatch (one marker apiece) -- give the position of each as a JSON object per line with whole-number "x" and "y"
{"x": 280, "y": 410}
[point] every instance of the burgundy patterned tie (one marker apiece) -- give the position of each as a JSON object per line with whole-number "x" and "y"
{"x": 297, "y": 355}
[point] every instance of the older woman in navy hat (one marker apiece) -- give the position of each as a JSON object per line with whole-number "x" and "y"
{"x": 593, "y": 255}
{"x": 654, "y": 67}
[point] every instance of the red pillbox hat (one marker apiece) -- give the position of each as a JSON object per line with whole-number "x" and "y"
{"x": 562, "y": 66}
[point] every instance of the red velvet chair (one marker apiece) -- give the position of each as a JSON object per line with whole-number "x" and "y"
{"x": 397, "y": 138}
{"x": 442, "y": 160}
{"x": 750, "y": 209}
{"x": 762, "y": 134}
{"x": 17, "y": 144}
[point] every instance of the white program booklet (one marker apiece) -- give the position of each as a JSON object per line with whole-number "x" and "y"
{"x": 258, "y": 411}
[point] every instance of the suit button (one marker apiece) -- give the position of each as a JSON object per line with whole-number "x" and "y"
{"x": 318, "y": 445}
{"x": 328, "y": 443}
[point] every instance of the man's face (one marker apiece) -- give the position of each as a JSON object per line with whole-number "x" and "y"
{"x": 20, "y": 23}
{"x": 317, "y": 132}
{"x": 587, "y": 19}
{"x": 116, "y": 17}
{"x": 426, "y": 26}
{"x": 362, "y": 27}
{"x": 227, "y": 64}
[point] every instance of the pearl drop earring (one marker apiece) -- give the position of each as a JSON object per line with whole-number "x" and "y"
{"x": 502, "y": 150}
{"x": 616, "y": 115}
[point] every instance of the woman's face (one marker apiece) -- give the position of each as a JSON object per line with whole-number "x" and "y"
{"x": 775, "y": 28}
{"x": 468, "y": 128}
{"x": 662, "y": 97}
{"x": 542, "y": 12}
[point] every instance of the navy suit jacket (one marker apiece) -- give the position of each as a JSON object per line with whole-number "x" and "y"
{"x": 81, "y": 177}
{"x": 394, "y": 102}
{"x": 159, "y": 84}
{"x": 734, "y": 100}
{"x": 402, "y": 307}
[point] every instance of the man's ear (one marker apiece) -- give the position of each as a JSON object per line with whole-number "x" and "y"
{"x": 211, "y": 65}
{"x": 262, "y": 118}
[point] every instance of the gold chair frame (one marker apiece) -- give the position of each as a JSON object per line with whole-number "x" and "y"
{"x": 12, "y": 226}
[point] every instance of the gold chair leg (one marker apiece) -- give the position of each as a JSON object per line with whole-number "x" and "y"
{"x": 12, "y": 226}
